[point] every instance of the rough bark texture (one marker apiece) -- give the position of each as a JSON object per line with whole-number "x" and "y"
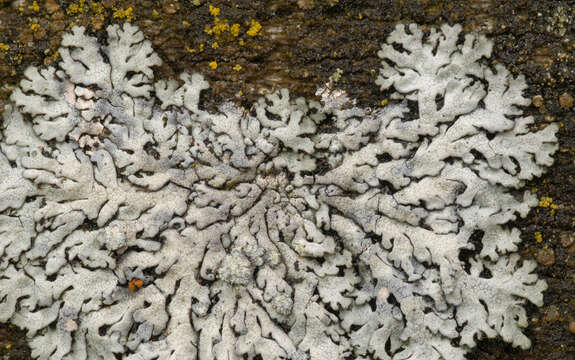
{"x": 300, "y": 45}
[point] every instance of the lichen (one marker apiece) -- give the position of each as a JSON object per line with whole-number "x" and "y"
{"x": 123, "y": 14}
{"x": 136, "y": 224}
{"x": 34, "y": 6}
{"x": 254, "y": 29}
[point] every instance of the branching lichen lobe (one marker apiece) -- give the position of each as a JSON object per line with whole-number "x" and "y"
{"x": 236, "y": 234}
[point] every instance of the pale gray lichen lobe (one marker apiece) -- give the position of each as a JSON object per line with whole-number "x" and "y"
{"x": 135, "y": 224}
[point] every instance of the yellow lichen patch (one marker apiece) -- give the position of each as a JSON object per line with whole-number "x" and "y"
{"x": 235, "y": 30}
{"x": 186, "y": 24}
{"x": 34, "y": 27}
{"x": 213, "y": 65}
{"x": 237, "y": 67}
{"x": 538, "y": 237}
{"x": 123, "y": 14}
{"x": 545, "y": 201}
{"x": 155, "y": 13}
{"x": 223, "y": 31}
{"x": 8, "y": 346}
{"x": 4, "y": 47}
{"x": 220, "y": 27}
{"x": 383, "y": 102}
{"x": 190, "y": 50}
{"x": 201, "y": 47}
{"x": 214, "y": 11}
{"x": 34, "y": 7}
{"x": 73, "y": 9}
{"x": 76, "y": 8}
{"x": 97, "y": 8}
{"x": 254, "y": 29}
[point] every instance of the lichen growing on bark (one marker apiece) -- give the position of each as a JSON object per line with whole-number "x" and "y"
{"x": 134, "y": 223}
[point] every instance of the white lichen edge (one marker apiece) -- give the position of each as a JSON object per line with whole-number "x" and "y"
{"x": 297, "y": 230}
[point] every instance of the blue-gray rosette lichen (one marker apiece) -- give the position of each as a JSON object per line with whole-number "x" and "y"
{"x": 135, "y": 224}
